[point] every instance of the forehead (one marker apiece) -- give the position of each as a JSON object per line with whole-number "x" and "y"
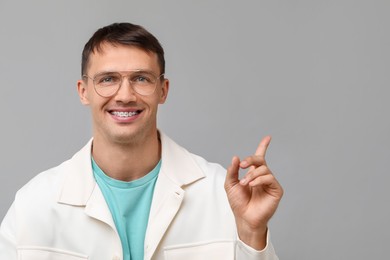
{"x": 111, "y": 57}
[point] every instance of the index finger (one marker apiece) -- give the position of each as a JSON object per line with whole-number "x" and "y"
{"x": 259, "y": 157}
{"x": 263, "y": 146}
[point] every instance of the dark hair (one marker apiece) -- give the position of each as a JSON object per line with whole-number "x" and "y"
{"x": 122, "y": 34}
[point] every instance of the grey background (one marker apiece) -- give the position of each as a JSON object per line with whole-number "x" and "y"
{"x": 313, "y": 74}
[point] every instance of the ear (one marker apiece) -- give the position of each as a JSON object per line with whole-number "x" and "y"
{"x": 83, "y": 92}
{"x": 164, "y": 91}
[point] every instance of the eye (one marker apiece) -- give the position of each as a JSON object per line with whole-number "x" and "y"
{"x": 142, "y": 78}
{"x": 107, "y": 79}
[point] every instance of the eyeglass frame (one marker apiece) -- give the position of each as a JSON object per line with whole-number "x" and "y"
{"x": 123, "y": 76}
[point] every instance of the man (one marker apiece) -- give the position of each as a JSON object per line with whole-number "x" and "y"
{"x": 131, "y": 192}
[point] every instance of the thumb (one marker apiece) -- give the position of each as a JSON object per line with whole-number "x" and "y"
{"x": 232, "y": 173}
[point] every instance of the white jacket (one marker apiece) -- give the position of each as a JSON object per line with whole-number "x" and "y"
{"x": 61, "y": 214}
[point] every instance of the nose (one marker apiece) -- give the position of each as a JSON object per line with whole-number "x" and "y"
{"x": 126, "y": 93}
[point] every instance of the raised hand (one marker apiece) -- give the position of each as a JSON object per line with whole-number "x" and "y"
{"x": 255, "y": 198}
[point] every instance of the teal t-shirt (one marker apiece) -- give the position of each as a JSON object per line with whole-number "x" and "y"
{"x": 129, "y": 203}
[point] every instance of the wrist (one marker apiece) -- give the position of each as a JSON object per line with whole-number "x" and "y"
{"x": 253, "y": 237}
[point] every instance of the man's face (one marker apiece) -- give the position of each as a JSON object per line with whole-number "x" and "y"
{"x": 141, "y": 111}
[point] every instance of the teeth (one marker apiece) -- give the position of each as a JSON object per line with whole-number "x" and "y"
{"x": 124, "y": 114}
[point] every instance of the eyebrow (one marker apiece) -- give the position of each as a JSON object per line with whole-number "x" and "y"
{"x": 122, "y": 71}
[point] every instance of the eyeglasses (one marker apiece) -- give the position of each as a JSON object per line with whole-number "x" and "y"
{"x": 107, "y": 84}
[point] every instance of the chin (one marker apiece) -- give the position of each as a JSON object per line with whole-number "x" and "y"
{"x": 130, "y": 137}
{"x": 124, "y": 139}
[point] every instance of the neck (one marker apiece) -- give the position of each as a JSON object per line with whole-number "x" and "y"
{"x": 127, "y": 162}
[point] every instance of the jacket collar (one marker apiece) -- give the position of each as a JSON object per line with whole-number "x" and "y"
{"x": 178, "y": 164}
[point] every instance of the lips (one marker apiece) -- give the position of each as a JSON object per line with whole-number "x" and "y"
{"x": 125, "y": 115}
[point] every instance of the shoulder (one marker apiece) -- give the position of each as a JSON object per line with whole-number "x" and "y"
{"x": 44, "y": 186}
{"x": 48, "y": 184}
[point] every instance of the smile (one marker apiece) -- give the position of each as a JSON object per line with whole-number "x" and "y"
{"x": 125, "y": 114}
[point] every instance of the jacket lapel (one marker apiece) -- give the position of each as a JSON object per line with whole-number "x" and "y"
{"x": 97, "y": 207}
{"x": 177, "y": 170}
{"x": 80, "y": 188}
{"x": 166, "y": 203}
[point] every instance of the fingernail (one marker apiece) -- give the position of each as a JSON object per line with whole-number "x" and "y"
{"x": 243, "y": 181}
{"x": 244, "y": 164}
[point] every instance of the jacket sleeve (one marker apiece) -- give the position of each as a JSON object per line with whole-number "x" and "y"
{"x": 7, "y": 242}
{"x": 245, "y": 252}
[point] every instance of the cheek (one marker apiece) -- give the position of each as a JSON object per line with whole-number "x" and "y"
{"x": 157, "y": 102}
{"x": 97, "y": 104}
